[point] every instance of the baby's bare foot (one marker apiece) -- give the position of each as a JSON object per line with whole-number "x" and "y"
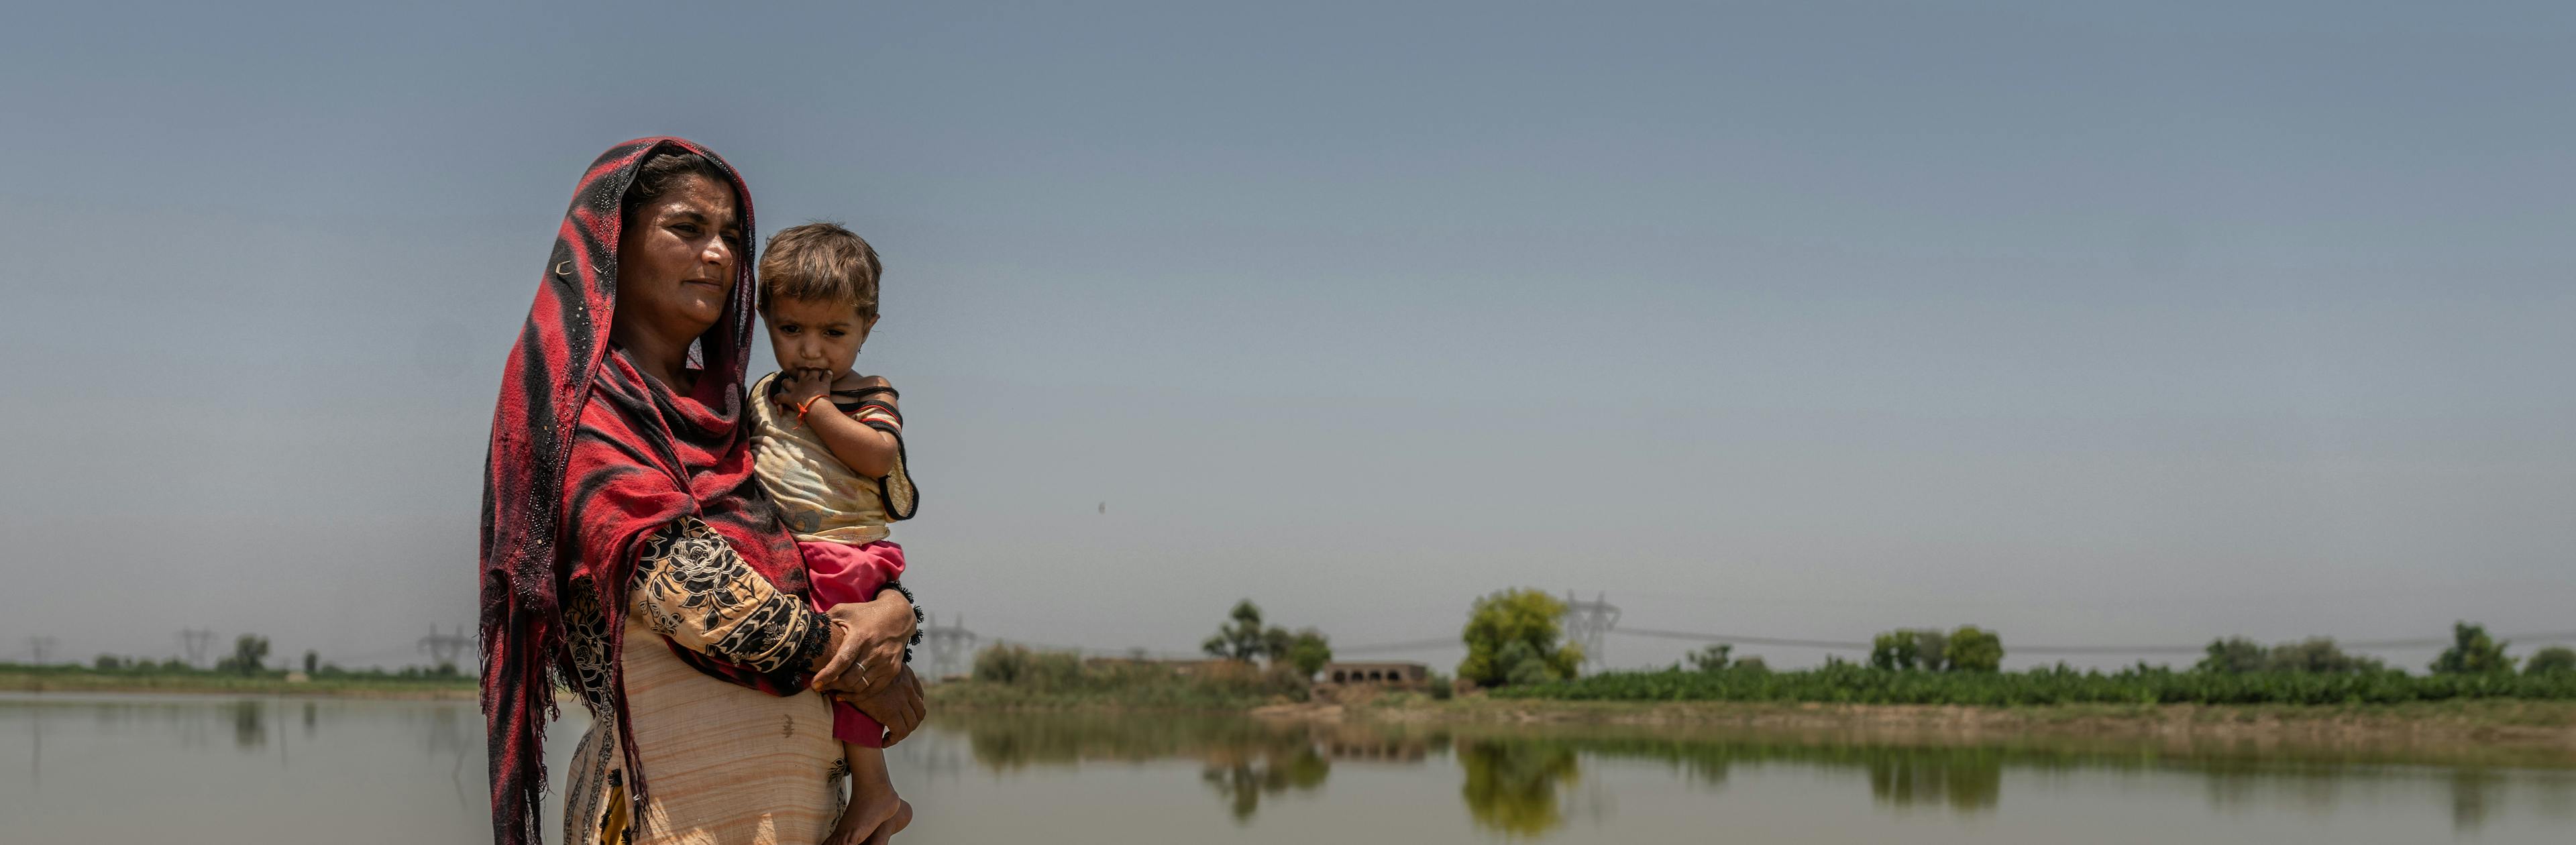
{"x": 865, "y": 815}
{"x": 894, "y": 824}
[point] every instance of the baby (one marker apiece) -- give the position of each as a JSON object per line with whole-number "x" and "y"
{"x": 827, "y": 445}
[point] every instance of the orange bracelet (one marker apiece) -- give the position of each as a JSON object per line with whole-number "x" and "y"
{"x": 809, "y": 403}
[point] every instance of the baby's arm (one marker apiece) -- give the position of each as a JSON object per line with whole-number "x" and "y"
{"x": 865, "y": 449}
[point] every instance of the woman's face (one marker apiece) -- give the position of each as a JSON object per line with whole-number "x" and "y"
{"x": 675, "y": 261}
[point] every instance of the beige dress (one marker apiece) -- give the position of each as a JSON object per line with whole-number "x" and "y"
{"x": 723, "y": 763}
{"x": 818, "y": 497}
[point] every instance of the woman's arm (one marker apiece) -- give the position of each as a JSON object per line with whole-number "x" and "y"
{"x": 692, "y": 587}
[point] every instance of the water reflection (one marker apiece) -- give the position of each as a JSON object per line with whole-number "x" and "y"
{"x": 294, "y": 753}
{"x": 423, "y": 760}
{"x": 1514, "y": 787}
{"x": 250, "y": 724}
{"x": 1271, "y": 770}
{"x": 1522, "y": 782}
{"x": 1966, "y": 783}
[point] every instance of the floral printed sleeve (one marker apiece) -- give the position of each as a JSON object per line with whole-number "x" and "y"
{"x": 690, "y": 586}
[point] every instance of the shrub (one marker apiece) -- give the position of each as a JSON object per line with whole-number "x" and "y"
{"x": 2234, "y": 656}
{"x": 2238, "y": 655}
{"x": 1001, "y": 663}
{"x": 2319, "y": 654}
{"x": 1309, "y": 651}
{"x": 2552, "y": 660}
{"x": 2472, "y": 652}
{"x": 1932, "y": 650}
{"x": 1711, "y": 658}
{"x": 1017, "y": 674}
{"x": 1973, "y": 649}
{"x": 1529, "y": 618}
{"x": 1894, "y": 651}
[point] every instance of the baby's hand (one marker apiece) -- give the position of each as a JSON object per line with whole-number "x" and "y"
{"x": 799, "y": 387}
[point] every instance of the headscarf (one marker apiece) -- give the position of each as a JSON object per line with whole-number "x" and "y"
{"x": 588, "y": 458}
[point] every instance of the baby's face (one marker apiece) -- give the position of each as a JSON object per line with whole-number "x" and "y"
{"x": 810, "y": 335}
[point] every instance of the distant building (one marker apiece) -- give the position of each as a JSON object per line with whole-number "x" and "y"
{"x": 1395, "y": 674}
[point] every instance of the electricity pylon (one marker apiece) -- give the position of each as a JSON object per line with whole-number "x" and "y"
{"x": 1588, "y": 623}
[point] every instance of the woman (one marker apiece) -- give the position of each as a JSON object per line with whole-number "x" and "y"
{"x": 628, "y": 554}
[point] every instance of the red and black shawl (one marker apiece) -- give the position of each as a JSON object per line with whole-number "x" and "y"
{"x": 588, "y": 458}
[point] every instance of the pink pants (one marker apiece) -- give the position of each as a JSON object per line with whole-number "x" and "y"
{"x": 842, "y": 573}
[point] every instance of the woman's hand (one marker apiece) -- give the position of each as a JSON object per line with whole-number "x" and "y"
{"x": 867, "y": 647}
{"x": 899, "y": 706}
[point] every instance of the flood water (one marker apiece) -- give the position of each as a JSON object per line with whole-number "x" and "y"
{"x": 101, "y": 768}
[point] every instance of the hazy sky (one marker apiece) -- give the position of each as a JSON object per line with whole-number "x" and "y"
{"x": 2090, "y": 323}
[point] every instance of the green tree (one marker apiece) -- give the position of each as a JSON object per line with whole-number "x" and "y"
{"x": 2238, "y": 655}
{"x": 1711, "y": 658}
{"x": 2472, "y": 652}
{"x": 1523, "y": 665}
{"x": 1974, "y": 649}
{"x": 2234, "y": 656}
{"x": 109, "y": 663}
{"x": 1245, "y": 639}
{"x": 1895, "y": 651}
{"x": 1001, "y": 663}
{"x": 250, "y": 653}
{"x": 1932, "y": 650}
{"x": 312, "y": 663}
{"x": 1309, "y": 651}
{"x": 2551, "y": 660}
{"x": 1275, "y": 643}
{"x": 1530, "y": 618}
{"x": 2319, "y": 654}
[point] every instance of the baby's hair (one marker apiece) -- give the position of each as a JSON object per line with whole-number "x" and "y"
{"x": 820, "y": 261}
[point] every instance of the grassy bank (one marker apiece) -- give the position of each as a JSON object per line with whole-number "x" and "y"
{"x": 1121, "y": 688}
{"x": 1851, "y": 684}
{"x": 83, "y": 679}
{"x": 2498, "y": 722}
{"x": 2545, "y": 725}
{"x": 2462, "y": 714}
{"x": 1011, "y": 677}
